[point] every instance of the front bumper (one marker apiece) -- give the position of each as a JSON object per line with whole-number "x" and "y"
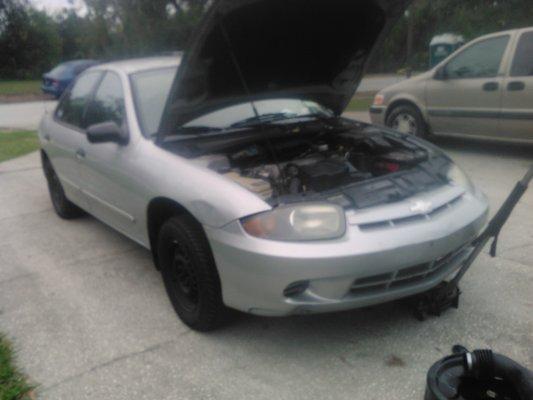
{"x": 371, "y": 264}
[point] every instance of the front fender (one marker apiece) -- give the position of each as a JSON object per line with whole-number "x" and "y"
{"x": 212, "y": 199}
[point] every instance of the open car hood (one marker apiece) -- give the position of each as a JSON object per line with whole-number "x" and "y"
{"x": 258, "y": 49}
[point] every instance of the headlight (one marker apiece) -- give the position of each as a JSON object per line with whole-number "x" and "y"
{"x": 379, "y": 100}
{"x": 456, "y": 176}
{"x": 298, "y": 223}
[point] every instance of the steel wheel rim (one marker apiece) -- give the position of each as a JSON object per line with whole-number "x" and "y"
{"x": 183, "y": 278}
{"x": 405, "y": 123}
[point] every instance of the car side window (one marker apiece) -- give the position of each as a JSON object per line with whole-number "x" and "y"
{"x": 108, "y": 102}
{"x": 523, "y": 59}
{"x": 481, "y": 60}
{"x": 72, "y": 107}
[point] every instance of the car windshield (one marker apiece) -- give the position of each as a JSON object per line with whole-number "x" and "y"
{"x": 243, "y": 114}
{"x": 150, "y": 92}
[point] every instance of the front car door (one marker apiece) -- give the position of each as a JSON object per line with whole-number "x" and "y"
{"x": 107, "y": 168}
{"x": 64, "y": 136}
{"x": 465, "y": 96}
{"x": 517, "y": 99}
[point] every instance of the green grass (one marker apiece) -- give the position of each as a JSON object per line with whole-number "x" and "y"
{"x": 13, "y": 385}
{"x": 17, "y": 143}
{"x": 360, "y": 103}
{"x": 12, "y": 88}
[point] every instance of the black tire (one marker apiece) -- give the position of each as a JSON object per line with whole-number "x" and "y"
{"x": 63, "y": 207}
{"x": 189, "y": 273}
{"x": 407, "y": 119}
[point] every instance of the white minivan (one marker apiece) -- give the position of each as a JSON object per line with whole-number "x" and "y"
{"x": 484, "y": 89}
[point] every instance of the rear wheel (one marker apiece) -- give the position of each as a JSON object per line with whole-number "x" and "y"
{"x": 63, "y": 207}
{"x": 406, "y": 118}
{"x": 189, "y": 273}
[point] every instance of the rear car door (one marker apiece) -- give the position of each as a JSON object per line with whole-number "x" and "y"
{"x": 465, "y": 95}
{"x": 64, "y": 136}
{"x": 517, "y": 101}
{"x": 107, "y": 177}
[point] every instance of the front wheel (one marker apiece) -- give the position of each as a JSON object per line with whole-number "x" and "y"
{"x": 407, "y": 119}
{"x": 189, "y": 273}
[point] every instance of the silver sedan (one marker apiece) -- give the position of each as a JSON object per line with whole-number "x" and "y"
{"x": 251, "y": 191}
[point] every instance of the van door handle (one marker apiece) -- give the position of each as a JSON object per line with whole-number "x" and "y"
{"x": 516, "y": 86}
{"x": 80, "y": 154}
{"x": 491, "y": 86}
{"x": 46, "y": 137}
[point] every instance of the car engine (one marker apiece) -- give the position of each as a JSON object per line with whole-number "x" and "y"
{"x": 305, "y": 165}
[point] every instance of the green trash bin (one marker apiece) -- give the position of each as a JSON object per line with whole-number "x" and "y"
{"x": 442, "y": 46}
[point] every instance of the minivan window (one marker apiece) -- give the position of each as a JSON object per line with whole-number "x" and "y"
{"x": 108, "y": 102}
{"x": 523, "y": 59}
{"x": 150, "y": 92}
{"x": 481, "y": 60}
{"x": 72, "y": 106}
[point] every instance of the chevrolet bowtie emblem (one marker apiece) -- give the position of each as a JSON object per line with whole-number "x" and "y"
{"x": 421, "y": 206}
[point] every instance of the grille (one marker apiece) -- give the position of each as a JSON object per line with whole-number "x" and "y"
{"x": 390, "y": 223}
{"x": 406, "y": 277}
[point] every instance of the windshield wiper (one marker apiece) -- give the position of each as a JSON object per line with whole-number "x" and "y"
{"x": 263, "y": 118}
{"x": 275, "y": 117}
{"x": 196, "y": 130}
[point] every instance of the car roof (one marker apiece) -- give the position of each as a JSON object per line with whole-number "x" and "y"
{"x": 132, "y": 66}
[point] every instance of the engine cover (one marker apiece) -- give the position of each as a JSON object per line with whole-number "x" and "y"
{"x": 325, "y": 174}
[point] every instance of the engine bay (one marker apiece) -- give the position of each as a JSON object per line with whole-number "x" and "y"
{"x": 318, "y": 162}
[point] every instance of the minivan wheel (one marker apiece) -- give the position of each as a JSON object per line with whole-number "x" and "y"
{"x": 189, "y": 273}
{"x": 63, "y": 207}
{"x": 407, "y": 119}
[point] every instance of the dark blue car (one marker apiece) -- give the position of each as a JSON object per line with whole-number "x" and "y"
{"x": 58, "y": 79}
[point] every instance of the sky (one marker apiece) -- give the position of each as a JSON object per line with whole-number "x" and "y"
{"x": 52, "y": 6}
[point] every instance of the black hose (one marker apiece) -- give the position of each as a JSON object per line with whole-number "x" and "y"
{"x": 484, "y": 364}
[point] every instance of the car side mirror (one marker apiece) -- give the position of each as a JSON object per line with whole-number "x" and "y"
{"x": 107, "y": 132}
{"x": 441, "y": 74}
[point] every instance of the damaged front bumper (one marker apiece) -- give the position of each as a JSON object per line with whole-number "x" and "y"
{"x": 373, "y": 263}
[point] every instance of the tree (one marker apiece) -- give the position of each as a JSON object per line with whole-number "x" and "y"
{"x": 471, "y": 19}
{"x": 142, "y": 27}
{"x": 29, "y": 42}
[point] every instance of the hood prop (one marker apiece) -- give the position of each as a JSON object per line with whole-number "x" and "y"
{"x": 238, "y": 68}
{"x": 246, "y": 88}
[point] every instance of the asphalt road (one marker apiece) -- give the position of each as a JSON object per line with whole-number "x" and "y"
{"x": 90, "y": 320}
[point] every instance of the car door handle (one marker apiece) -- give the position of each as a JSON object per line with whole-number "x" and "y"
{"x": 46, "y": 137}
{"x": 80, "y": 154}
{"x": 516, "y": 86}
{"x": 491, "y": 86}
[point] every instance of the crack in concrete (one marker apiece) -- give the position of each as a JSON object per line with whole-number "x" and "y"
{"x": 112, "y": 361}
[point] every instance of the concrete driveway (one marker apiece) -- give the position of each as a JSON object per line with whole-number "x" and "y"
{"x": 24, "y": 115}
{"x": 90, "y": 320}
